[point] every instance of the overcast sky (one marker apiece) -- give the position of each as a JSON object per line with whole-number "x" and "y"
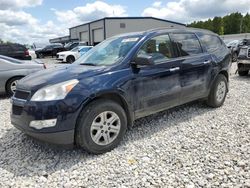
{"x": 28, "y": 21}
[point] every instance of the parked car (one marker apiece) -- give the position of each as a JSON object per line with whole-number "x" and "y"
{"x": 69, "y": 46}
{"x": 72, "y": 55}
{"x": 17, "y": 51}
{"x": 12, "y": 70}
{"x": 92, "y": 102}
{"x": 49, "y": 50}
{"x": 244, "y": 59}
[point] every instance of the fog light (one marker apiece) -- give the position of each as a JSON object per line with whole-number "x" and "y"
{"x": 40, "y": 124}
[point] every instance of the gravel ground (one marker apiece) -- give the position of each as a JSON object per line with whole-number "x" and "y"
{"x": 188, "y": 146}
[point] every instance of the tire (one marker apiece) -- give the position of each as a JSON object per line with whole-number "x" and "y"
{"x": 10, "y": 87}
{"x": 216, "y": 98}
{"x": 86, "y": 132}
{"x": 243, "y": 73}
{"x": 70, "y": 59}
{"x": 234, "y": 57}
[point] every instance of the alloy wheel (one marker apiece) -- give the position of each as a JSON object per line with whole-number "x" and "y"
{"x": 105, "y": 128}
{"x": 221, "y": 91}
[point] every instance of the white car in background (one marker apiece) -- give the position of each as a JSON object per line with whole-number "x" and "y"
{"x": 72, "y": 55}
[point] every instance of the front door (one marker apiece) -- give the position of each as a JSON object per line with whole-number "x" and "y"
{"x": 157, "y": 86}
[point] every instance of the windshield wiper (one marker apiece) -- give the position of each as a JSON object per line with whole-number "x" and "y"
{"x": 90, "y": 64}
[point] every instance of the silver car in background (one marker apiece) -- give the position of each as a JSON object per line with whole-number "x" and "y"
{"x": 12, "y": 70}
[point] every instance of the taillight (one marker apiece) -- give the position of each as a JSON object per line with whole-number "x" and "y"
{"x": 26, "y": 53}
{"x": 44, "y": 66}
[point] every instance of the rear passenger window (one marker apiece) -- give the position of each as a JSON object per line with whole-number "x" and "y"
{"x": 211, "y": 42}
{"x": 159, "y": 48}
{"x": 188, "y": 44}
{"x": 18, "y": 47}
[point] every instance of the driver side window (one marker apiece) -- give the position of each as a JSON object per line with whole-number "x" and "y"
{"x": 158, "y": 48}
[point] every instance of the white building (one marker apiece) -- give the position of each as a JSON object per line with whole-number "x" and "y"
{"x": 96, "y": 31}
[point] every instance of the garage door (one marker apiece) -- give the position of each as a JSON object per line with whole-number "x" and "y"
{"x": 98, "y": 35}
{"x": 84, "y": 36}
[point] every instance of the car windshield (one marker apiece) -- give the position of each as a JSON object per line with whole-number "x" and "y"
{"x": 85, "y": 49}
{"x": 67, "y": 45}
{"x": 75, "y": 49}
{"x": 109, "y": 51}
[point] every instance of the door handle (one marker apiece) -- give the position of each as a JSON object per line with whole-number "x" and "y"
{"x": 206, "y": 62}
{"x": 174, "y": 69}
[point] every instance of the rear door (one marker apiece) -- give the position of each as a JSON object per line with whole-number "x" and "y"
{"x": 195, "y": 68}
{"x": 157, "y": 86}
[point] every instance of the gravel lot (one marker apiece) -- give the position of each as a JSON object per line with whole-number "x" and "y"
{"x": 188, "y": 146}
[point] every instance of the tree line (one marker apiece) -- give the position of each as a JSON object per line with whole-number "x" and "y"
{"x": 233, "y": 23}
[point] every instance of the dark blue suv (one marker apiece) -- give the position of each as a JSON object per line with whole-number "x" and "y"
{"x": 92, "y": 102}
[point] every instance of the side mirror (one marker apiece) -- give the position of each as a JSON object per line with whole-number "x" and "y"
{"x": 143, "y": 60}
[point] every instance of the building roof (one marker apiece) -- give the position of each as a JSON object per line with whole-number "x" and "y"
{"x": 169, "y": 29}
{"x": 132, "y": 18}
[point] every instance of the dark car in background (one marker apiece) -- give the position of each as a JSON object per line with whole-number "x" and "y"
{"x": 17, "y": 51}
{"x": 69, "y": 46}
{"x": 244, "y": 58}
{"x": 92, "y": 102}
{"x": 49, "y": 50}
{"x": 235, "y": 47}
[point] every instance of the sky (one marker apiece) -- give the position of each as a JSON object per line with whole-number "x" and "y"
{"x": 29, "y": 21}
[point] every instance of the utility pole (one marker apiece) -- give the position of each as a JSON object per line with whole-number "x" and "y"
{"x": 241, "y": 22}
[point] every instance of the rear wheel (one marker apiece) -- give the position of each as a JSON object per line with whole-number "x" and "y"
{"x": 101, "y": 126}
{"x": 70, "y": 59}
{"x": 234, "y": 57}
{"x": 11, "y": 86}
{"x": 243, "y": 73}
{"x": 218, "y": 92}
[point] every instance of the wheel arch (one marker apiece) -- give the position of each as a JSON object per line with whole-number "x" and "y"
{"x": 225, "y": 73}
{"x": 117, "y": 97}
{"x": 16, "y": 76}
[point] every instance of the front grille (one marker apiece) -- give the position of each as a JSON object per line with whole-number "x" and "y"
{"x": 248, "y": 52}
{"x": 57, "y": 56}
{"x": 17, "y": 110}
{"x": 22, "y": 94}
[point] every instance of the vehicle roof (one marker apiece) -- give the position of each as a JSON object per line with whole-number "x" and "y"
{"x": 170, "y": 30}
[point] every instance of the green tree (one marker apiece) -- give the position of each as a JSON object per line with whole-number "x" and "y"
{"x": 246, "y": 24}
{"x": 230, "y": 24}
{"x": 218, "y": 25}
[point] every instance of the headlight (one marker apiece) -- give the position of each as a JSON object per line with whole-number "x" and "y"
{"x": 62, "y": 55}
{"x": 54, "y": 92}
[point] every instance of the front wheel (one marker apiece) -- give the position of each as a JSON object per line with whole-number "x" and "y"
{"x": 218, "y": 92}
{"x": 11, "y": 86}
{"x": 101, "y": 126}
{"x": 70, "y": 59}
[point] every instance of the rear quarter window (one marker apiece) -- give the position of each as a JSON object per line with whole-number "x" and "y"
{"x": 187, "y": 43}
{"x": 211, "y": 42}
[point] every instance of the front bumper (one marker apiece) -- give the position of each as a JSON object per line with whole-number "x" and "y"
{"x": 64, "y": 138}
{"x": 65, "y": 112}
{"x": 243, "y": 65}
{"x": 60, "y": 58}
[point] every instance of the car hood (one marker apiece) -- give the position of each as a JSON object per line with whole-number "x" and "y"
{"x": 55, "y": 75}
